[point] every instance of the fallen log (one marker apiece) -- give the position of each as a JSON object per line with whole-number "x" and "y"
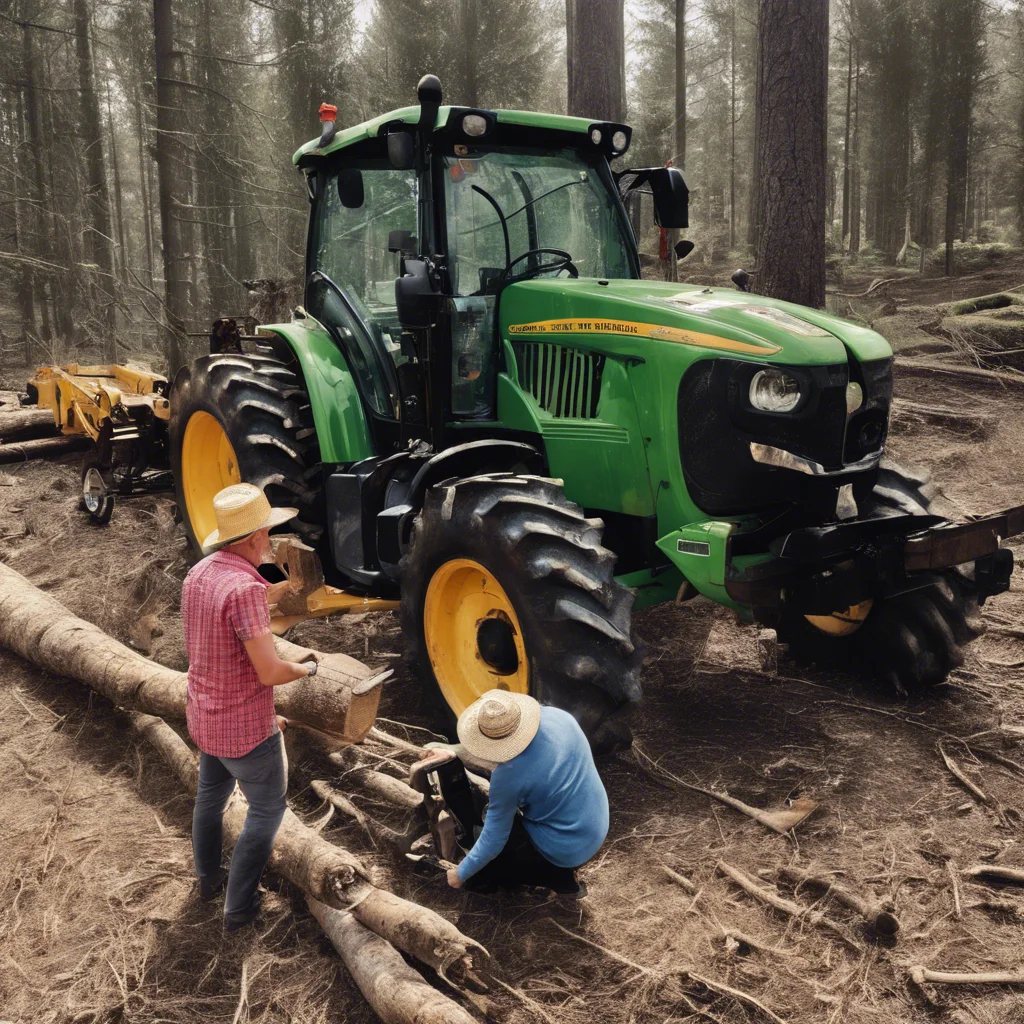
{"x": 994, "y": 300}
{"x": 331, "y": 874}
{"x": 877, "y": 916}
{"x": 342, "y": 698}
{"x": 995, "y": 873}
{"x": 23, "y": 424}
{"x": 397, "y": 993}
{"x": 25, "y": 451}
{"x": 982, "y": 378}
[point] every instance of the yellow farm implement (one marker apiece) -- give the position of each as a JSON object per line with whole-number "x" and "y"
{"x": 124, "y": 412}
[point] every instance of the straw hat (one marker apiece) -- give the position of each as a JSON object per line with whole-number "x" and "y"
{"x": 242, "y": 509}
{"x": 499, "y": 725}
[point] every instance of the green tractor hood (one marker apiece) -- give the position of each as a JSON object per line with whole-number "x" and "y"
{"x": 629, "y": 315}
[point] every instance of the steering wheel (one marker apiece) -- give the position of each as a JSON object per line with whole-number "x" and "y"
{"x": 563, "y": 261}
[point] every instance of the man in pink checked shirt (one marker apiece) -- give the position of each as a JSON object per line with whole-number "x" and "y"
{"x": 233, "y": 667}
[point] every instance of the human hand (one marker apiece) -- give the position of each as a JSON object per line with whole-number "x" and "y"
{"x": 282, "y": 723}
{"x": 453, "y": 878}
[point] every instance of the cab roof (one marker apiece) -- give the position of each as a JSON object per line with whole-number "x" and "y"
{"x": 411, "y": 116}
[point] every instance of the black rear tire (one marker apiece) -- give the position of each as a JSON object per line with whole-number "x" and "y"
{"x": 262, "y": 406}
{"x": 913, "y": 640}
{"x": 548, "y": 558}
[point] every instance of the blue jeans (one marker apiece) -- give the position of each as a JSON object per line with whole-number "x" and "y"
{"x": 262, "y": 775}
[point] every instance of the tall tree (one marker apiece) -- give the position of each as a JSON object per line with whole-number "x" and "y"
{"x": 597, "y": 60}
{"x": 174, "y": 186}
{"x": 791, "y": 97}
{"x": 100, "y": 244}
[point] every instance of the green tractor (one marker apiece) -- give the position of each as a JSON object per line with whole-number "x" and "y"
{"x": 484, "y": 412}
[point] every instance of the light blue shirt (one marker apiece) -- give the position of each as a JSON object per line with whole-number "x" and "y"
{"x": 554, "y": 782}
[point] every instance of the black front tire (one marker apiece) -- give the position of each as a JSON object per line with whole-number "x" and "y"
{"x": 262, "y": 406}
{"x": 549, "y": 560}
{"x": 912, "y": 640}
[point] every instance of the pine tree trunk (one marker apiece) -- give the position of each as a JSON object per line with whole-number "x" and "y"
{"x": 791, "y": 156}
{"x": 34, "y": 152}
{"x": 122, "y": 229}
{"x": 846, "y": 142}
{"x": 100, "y": 249}
{"x": 172, "y": 166}
{"x": 23, "y": 216}
{"x": 732, "y": 128}
{"x": 144, "y": 190}
{"x": 597, "y": 61}
{"x": 855, "y": 198}
{"x": 679, "y": 156}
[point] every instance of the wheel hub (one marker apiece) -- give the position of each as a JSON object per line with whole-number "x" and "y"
{"x": 472, "y": 634}
{"x": 93, "y": 489}
{"x": 208, "y": 464}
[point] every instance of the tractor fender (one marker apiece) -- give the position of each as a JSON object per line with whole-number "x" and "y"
{"x": 488, "y": 456}
{"x": 394, "y": 525}
{"x": 338, "y": 414}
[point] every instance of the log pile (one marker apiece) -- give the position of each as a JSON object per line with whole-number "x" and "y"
{"x": 369, "y": 926}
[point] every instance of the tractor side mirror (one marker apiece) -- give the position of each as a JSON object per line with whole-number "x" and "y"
{"x": 401, "y": 150}
{"x": 741, "y": 279}
{"x": 671, "y": 197}
{"x": 414, "y": 296}
{"x": 683, "y": 249}
{"x": 350, "y": 188}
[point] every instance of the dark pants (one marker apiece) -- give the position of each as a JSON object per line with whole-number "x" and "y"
{"x": 520, "y": 862}
{"x": 262, "y": 776}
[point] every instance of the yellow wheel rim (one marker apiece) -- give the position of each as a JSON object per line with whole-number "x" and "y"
{"x": 842, "y": 623}
{"x": 473, "y": 637}
{"x": 208, "y": 464}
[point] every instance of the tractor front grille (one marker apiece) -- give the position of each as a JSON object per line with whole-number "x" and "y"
{"x": 565, "y": 382}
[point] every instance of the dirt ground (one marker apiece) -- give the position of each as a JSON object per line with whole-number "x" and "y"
{"x": 99, "y": 920}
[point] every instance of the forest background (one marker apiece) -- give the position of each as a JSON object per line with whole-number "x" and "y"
{"x": 145, "y": 148}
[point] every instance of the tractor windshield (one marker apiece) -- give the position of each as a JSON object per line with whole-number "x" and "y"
{"x": 502, "y": 204}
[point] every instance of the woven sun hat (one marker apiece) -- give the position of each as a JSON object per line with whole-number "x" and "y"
{"x": 499, "y": 725}
{"x": 242, "y": 509}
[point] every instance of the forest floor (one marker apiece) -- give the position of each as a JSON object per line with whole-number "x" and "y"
{"x": 99, "y": 920}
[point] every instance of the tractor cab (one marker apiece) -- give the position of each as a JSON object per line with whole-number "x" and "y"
{"x": 422, "y": 218}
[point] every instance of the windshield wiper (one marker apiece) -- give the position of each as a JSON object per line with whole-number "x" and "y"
{"x": 501, "y": 217}
{"x": 544, "y": 195}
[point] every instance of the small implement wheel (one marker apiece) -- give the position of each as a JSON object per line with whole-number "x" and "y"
{"x": 507, "y": 586}
{"x": 913, "y": 640}
{"x": 240, "y": 417}
{"x": 97, "y": 491}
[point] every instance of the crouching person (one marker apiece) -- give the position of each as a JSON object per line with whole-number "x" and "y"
{"x": 233, "y": 667}
{"x": 548, "y": 810}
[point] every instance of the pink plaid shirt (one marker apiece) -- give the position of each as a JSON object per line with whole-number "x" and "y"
{"x": 223, "y": 603}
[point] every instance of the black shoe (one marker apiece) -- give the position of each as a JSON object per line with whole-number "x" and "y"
{"x": 212, "y": 886}
{"x": 243, "y": 918}
{"x": 578, "y": 893}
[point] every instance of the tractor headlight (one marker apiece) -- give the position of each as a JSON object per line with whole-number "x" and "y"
{"x": 774, "y": 391}
{"x": 596, "y": 136}
{"x": 854, "y": 397}
{"x": 619, "y": 141}
{"x": 474, "y": 124}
